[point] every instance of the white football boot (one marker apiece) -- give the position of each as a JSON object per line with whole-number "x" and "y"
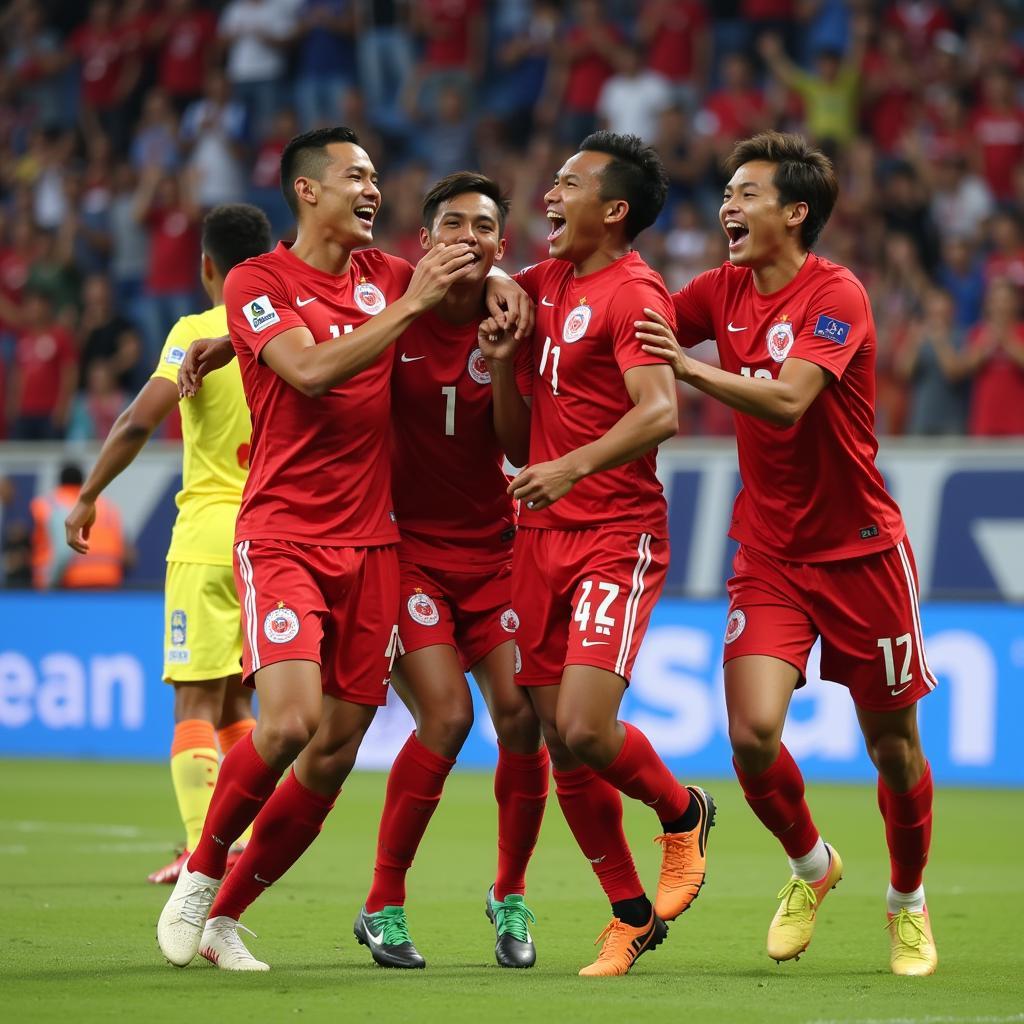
{"x": 224, "y": 948}
{"x": 180, "y": 927}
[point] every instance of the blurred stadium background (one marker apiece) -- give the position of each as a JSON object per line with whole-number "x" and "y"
{"x": 120, "y": 123}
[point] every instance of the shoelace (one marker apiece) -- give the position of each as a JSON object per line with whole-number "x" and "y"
{"x": 394, "y": 927}
{"x": 514, "y": 918}
{"x": 229, "y": 935}
{"x": 672, "y": 870}
{"x": 195, "y": 907}
{"x": 909, "y": 930}
{"x": 797, "y": 891}
{"x": 617, "y": 935}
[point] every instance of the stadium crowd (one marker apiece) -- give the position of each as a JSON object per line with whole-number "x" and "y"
{"x": 122, "y": 123}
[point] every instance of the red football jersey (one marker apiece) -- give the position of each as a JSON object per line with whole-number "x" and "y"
{"x": 811, "y": 492}
{"x": 449, "y": 486}
{"x": 583, "y": 343}
{"x": 319, "y": 467}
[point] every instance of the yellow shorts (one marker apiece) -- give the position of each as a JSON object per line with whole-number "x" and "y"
{"x": 202, "y": 623}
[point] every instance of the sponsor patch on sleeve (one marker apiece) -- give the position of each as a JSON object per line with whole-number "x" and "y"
{"x": 260, "y": 313}
{"x": 175, "y": 357}
{"x": 832, "y": 329}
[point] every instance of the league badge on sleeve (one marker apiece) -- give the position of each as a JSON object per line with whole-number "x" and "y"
{"x": 831, "y": 329}
{"x": 175, "y": 357}
{"x": 780, "y": 339}
{"x": 260, "y": 313}
{"x": 577, "y": 322}
{"x": 369, "y": 298}
{"x": 478, "y": 367}
{"x": 422, "y": 609}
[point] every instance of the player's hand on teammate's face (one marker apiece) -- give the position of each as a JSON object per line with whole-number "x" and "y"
{"x": 509, "y": 304}
{"x": 659, "y": 340}
{"x": 497, "y": 341}
{"x": 78, "y": 524}
{"x": 204, "y": 356}
{"x": 440, "y": 268}
{"x": 542, "y": 485}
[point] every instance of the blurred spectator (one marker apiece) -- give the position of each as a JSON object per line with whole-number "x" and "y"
{"x": 995, "y": 359}
{"x": 919, "y": 22}
{"x": 108, "y": 337}
{"x": 188, "y": 36}
{"x": 454, "y": 45}
{"x": 997, "y": 124}
{"x": 961, "y": 201}
{"x": 633, "y": 99}
{"x": 155, "y": 143}
{"x": 905, "y": 209}
{"x": 17, "y": 253}
{"x": 931, "y": 364}
{"x": 265, "y": 180}
{"x": 43, "y": 375}
{"x": 213, "y": 132}
{"x": 676, "y": 37}
{"x": 164, "y": 205}
{"x": 961, "y": 276}
{"x": 384, "y": 52}
{"x": 97, "y": 406}
{"x": 34, "y": 64}
{"x": 54, "y": 564}
{"x": 129, "y": 241}
{"x": 16, "y": 544}
{"x": 446, "y": 135}
{"x": 325, "y": 63}
{"x": 85, "y": 229}
{"x": 736, "y": 109}
{"x": 256, "y": 34}
{"x": 889, "y": 87}
{"x": 1006, "y": 256}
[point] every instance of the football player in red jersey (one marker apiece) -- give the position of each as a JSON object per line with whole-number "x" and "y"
{"x": 823, "y": 549}
{"x": 315, "y": 542}
{"x": 455, "y": 613}
{"x": 591, "y": 553}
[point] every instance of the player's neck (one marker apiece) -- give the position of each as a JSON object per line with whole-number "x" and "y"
{"x": 462, "y": 305}
{"x": 324, "y": 254}
{"x": 604, "y": 256}
{"x": 774, "y": 276}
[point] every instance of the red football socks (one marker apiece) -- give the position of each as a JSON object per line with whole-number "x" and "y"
{"x": 777, "y": 798}
{"x": 286, "y": 827}
{"x": 638, "y": 772}
{"x": 415, "y": 783}
{"x": 593, "y": 810}
{"x": 244, "y": 785}
{"x": 908, "y": 830}
{"x": 521, "y": 789}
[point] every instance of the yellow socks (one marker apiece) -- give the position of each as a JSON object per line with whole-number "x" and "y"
{"x": 194, "y": 764}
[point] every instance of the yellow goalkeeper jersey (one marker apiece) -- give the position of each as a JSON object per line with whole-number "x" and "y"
{"x": 216, "y": 431}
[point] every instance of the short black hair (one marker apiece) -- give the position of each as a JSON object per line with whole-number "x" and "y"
{"x": 71, "y": 475}
{"x": 635, "y": 173}
{"x": 459, "y": 184}
{"x": 305, "y": 156}
{"x": 802, "y": 174}
{"x": 233, "y": 233}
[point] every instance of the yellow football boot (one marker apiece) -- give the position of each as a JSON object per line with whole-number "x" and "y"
{"x": 793, "y": 925}
{"x": 913, "y": 950}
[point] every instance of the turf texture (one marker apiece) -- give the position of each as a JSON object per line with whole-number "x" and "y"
{"x": 77, "y": 918}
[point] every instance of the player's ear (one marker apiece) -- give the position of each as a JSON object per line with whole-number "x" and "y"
{"x": 425, "y": 241}
{"x": 616, "y": 212}
{"x": 500, "y": 251}
{"x": 304, "y": 190}
{"x": 797, "y": 214}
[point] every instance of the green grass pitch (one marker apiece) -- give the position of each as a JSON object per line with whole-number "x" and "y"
{"x": 77, "y": 922}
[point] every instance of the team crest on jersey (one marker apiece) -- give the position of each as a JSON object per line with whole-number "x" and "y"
{"x": 780, "y": 339}
{"x": 736, "y": 624}
{"x": 179, "y": 628}
{"x": 478, "y": 367}
{"x": 281, "y": 624}
{"x": 509, "y": 620}
{"x": 576, "y": 323}
{"x": 422, "y": 609}
{"x": 369, "y": 298}
{"x": 260, "y": 313}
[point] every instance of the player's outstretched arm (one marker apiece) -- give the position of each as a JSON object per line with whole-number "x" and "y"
{"x": 129, "y": 434}
{"x": 781, "y": 401}
{"x": 654, "y": 418}
{"x": 511, "y": 410}
{"x": 314, "y": 369}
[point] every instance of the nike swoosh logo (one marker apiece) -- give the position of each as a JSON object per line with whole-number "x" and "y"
{"x": 595, "y": 643}
{"x": 734, "y": 329}
{"x": 411, "y": 359}
{"x": 896, "y": 693}
{"x": 262, "y": 881}
{"x": 305, "y": 302}
{"x": 375, "y": 939}
{"x": 544, "y": 302}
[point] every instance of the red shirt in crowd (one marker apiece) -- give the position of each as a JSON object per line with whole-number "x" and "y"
{"x": 183, "y": 55}
{"x": 583, "y": 343}
{"x": 447, "y": 45}
{"x": 811, "y": 492}
{"x": 671, "y": 50}
{"x": 1000, "y": 134}
{"x": 41, "y": 357}
{"x": 588, "y": 72}
{"x": 319, "y": 468}
{"x": 100, "y": 54}
{"x": 997, "y": 395}
{"x": 174, "y": 248}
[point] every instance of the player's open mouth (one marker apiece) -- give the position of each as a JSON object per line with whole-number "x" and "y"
{"x": 557, "y": 222}
{"x": 737, "y": 232}
{"x": 366, "y": 213}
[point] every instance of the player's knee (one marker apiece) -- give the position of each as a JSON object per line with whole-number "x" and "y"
{"x": 895, "y": 756}
{"x": 446, "y": 733}
{"x": 287, "y": 737}
{"x": 586, "y": 741}
{"x": 755, "y": 747}
{"x": 517, "y": 729}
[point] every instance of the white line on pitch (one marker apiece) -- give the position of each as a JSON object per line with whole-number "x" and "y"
{"x": 1011, "y": 1019}
{"x": 73, "y": 828}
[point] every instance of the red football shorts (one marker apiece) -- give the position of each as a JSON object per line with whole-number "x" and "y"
{"x": 864, "y": 609}
{"x": 584, "y": 597}
{"x": 336, "y": 606}
{"x": 470, "y": 611}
